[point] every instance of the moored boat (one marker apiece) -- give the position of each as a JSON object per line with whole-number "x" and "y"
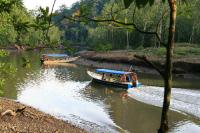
{"x": 69, "y": 65}
{"x": 54, "y": 59}
{"x": 116, "y": 78}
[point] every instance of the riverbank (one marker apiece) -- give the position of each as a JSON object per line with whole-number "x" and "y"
{"x": 185, "y": 67}
{"x": 16, "y": 117}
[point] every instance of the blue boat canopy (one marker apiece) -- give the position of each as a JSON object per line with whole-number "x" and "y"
{"x": 112, "y": 71}
{"x": 56, "y": 55}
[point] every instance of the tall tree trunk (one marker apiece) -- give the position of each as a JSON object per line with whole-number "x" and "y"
{"x": 168, "y": 70}
{"x": 127, "y": 40}
{"x": 192, "y": 34}
{"x": 143, "y": 36}
{"x": 112, "y": 36}
{"x": 127, "y": 33}
{"x": 160, "y": 33}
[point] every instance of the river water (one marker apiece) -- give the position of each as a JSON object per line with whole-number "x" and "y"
{"x": 67, "y": 93}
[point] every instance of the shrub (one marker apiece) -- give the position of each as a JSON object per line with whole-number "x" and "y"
{"x": 102, "y": 47}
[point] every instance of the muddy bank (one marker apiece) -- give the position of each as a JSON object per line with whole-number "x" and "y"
{"x": 31, "y": 120}
{"x": 186, "y": 68}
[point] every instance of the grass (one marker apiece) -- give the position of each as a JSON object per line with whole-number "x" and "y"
{"x": 180, "y": 50}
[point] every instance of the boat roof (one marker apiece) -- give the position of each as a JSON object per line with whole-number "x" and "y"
{"x": 112, "y": 71}
{"x": 56, "y": 55}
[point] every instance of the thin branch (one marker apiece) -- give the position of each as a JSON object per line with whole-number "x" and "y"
{"x": 50, "y": 18}
{"x": 117, "y": 22}
{"x": 145, "y": 32}
{"x": 111, "y": 13}
{"x": 134, "y": 12}
{"x": 163, "y": 15}
{"x": 144, "y": 58}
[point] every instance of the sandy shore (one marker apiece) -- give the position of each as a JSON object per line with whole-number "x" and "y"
{"x": 31, "y": 120}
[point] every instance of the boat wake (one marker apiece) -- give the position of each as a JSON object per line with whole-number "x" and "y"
{"x": 64, "y": 100}
{"x": 183, "y": 100}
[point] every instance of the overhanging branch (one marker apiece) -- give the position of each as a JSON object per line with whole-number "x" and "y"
{"x": 144, "y": 58}
{"x": 112, "y": 19}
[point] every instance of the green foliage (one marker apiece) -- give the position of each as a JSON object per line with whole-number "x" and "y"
{"x": 139, "y": 3}
{"x": 127, "y": 3}
{"x": 7, "y": 31}
{"x": 18, "y": 26}
{"x": 5, "y": 69}
{"x": 68, "y": 48}
{"x": 54, "y": 34}
{"x": 181, "y": 50}
{"x": 6, "y": 5}
{"x": 3, "y": 53}
{"x": 102, "y": 47}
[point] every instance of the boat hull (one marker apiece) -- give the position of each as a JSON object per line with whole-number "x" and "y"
{"x": 54, "y": 62}
{"x": 111, "y": 83}
{"x": 98, "y": 79}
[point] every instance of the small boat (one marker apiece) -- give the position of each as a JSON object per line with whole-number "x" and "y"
{"x": 116, "y": 78}
{"x": 54, "y": 59}
{"x": 69, "y": 65}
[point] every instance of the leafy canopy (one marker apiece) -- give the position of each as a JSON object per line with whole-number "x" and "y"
{"x": 6, "y": 5}
{"x": 139, "y": 3}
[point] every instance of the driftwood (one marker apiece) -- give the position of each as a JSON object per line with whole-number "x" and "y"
{"x": 10, "y": 112}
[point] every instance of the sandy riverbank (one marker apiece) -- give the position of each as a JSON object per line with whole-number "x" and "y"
{"x": 31, "y": 120}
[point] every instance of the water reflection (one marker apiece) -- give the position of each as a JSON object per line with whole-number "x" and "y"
{"x": 63, "y": 98}
{"x": 67, "y": 93}
{"x": 130, "y": 114}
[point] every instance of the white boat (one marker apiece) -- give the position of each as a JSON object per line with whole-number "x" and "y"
{"x": 115, "y": 78}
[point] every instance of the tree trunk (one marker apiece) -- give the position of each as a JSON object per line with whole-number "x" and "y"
{"x": 127, "y": 33}
{"x": 127, "y": 40}
{"x": 112, "y": 36}
{"x": 160, "y": 34}
{"x": 168, "y": 70}
{"x": 143, "y": 36}
{"x": 192, "y": 34}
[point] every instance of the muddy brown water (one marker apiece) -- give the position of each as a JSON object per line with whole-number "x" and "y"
{"x": 67, "y": 93}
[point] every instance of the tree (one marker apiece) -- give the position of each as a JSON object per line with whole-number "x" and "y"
{"x": 167, "y": 74}
{"x": 5, "y": 6}
{"x": 44, "y": 25}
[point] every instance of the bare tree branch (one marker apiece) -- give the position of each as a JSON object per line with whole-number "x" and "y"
{"x": 145, "y": 32}
{"x": 163, "y": 15}
{"x": 144, "y": 58}
{"x": 50, "y": 18}
{"x": 112, "y": 19}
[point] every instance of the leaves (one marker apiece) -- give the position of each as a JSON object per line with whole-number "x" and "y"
{"x": 6, "y": 5}
{"x": 139, "y": 3}
{"x": 5, "y": 69}
{"x": 127, "y": 3}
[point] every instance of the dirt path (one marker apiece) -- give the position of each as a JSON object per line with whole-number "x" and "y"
{"x": 31, "y": 120}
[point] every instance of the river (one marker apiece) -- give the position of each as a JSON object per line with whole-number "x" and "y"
{"x": 67, "y": 93}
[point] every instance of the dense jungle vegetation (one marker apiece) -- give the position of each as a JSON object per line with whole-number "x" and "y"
{"x": 102, "y": 36}
{"x": 137, "y": 25}
{"x": 18, "y": 26}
